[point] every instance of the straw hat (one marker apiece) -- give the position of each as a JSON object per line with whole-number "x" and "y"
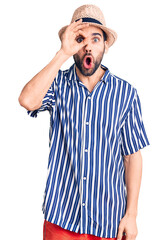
{"x": 92, "y": 14}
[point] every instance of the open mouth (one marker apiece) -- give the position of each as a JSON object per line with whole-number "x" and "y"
{"x": 87, "y": 62}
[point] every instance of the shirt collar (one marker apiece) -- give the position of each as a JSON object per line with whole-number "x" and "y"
{"x": 72, "y": 75}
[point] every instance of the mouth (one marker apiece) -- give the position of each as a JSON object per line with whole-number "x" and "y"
{"x": 88, "y": 62}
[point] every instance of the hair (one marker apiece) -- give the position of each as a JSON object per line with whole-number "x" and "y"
{"x": 104, "y": 36}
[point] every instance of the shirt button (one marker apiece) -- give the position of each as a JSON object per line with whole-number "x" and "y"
{"x": 84, "y": 178}
{"x": 89, "y": 97}
{"x": 87, "y": 123}
{"x": 86, "y": 150}
{"x": 83, "y": 204}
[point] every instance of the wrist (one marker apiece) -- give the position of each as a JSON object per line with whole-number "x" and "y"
{"x": 63, "y": 53}
{"x": 131, "y": 213}
{"x": 59, "y": 58}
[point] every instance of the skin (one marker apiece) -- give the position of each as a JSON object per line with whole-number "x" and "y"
{"x": 96, "y": 47}
{"x": 133, "y": 175}
{"x": 94, "y": 44}
{"x": 34, "y": 91}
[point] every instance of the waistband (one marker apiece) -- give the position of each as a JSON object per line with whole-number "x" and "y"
{"x": 52, "y": 231}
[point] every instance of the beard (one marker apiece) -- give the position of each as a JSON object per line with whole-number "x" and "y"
{"x": 96, "y": 63}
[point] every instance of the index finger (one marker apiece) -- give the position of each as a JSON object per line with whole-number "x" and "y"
{"x": 75, "y": 23}
{"x": 80, "y": 26}
{"x": 81, "y": 33}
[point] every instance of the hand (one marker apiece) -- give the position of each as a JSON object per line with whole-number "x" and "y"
{"x": 69, "y": 44}
{"x": 127, "y": 225}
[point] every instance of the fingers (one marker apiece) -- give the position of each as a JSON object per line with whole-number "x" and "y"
{"x": 70, "y": 42}
{"x": 80, "y": 26}
{"x": 76, "y": 22}
{"x": 75, "y": 26}
{"x": 128, "y": 236}
{"x": 81, "y": 33}
{"x": 120, "y": 233}
{"x": 72, "y": 25}
{"x": 84, "y": 42}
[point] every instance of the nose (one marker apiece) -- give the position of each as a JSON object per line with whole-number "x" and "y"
{"x": 87, "y": 48}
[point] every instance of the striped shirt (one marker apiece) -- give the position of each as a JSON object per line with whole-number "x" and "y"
{"x": 89, "y": 134}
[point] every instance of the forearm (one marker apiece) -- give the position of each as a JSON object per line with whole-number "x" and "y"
{"x": 32, "y": 95}
{"x": 133, "y": 175}
{"x": 34, "y": 91}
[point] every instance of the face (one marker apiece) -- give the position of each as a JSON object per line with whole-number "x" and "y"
{"x": 89, "y": 58}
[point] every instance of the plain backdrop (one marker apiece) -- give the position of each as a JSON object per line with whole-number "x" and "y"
{"x": 28, "y": 42}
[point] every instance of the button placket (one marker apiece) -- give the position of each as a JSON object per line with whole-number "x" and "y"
{"x": 85, "y": 149}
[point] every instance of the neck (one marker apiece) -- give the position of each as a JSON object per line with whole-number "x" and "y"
{"x": 93, "y": 78}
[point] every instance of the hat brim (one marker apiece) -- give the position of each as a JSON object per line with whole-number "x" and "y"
{"x": 111, "y": 34}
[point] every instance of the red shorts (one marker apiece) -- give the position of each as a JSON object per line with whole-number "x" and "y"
{"x": 52, "y": 231}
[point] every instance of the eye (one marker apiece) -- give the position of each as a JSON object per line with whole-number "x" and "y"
{"x": 79, "y": 39}
{"x": 96, "y": 39}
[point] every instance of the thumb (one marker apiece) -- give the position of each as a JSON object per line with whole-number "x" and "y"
{"x": 120, "y": 232}
{"x": 85, "y": 41}
{"x": 82, "y": 44}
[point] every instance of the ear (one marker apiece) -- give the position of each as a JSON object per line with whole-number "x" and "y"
{"x": 106, "y": 47}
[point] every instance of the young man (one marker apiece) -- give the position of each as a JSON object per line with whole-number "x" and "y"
{"x": 96, "y": 133}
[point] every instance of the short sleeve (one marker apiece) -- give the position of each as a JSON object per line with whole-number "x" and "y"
{"x": 47, "y": 103}
{"x": 133, "y": 132}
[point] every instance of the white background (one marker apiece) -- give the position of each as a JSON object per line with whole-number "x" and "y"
{"x": 28, "y": 42}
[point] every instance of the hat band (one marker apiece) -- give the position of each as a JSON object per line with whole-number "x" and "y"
{"x": 89, "y": 20}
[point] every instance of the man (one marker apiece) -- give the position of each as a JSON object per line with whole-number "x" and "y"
{"x": 96, "y": 133}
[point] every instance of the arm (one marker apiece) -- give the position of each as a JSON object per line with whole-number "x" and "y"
{"x": 34, "y": 91}
{"x": 133, "y": 174}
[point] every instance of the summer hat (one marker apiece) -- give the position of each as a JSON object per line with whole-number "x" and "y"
{"x": 94, "y": 16}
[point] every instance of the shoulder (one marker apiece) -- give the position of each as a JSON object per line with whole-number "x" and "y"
{"x": 127, "y": 93}
{"x": 122, "y": 82}
{"x": 124, "y": 86}
{"x": 61, "y": 76}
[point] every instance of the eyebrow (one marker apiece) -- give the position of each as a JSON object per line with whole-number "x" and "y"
{"x": 94, "y": 34}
